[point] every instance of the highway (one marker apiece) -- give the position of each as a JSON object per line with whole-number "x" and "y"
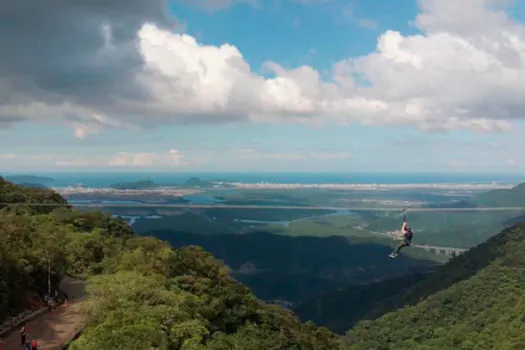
{"x": 280, "y": 207}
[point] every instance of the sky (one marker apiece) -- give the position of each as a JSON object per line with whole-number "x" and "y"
{"x": 263, "y": 85}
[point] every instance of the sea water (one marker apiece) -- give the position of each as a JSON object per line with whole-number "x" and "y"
{"x": 101, "y": 180}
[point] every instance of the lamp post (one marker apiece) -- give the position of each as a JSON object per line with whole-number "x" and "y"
{"x": 49, "y": 276}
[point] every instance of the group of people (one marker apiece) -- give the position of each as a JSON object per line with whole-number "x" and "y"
{"x": 32, "y": 345}
{"x": 52, "y": 301}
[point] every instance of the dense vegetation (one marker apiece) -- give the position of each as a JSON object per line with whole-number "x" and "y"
{"x": 143, "y": 294}
{"x": 340, "y": 310}
{"x": 296, "y": 268}
{"x": 477, "y": 301}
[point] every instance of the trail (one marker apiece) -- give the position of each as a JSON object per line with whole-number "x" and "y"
{"x": 53, "y": 330}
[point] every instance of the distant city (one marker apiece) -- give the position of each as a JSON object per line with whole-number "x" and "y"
{"x": 174, "y": 190}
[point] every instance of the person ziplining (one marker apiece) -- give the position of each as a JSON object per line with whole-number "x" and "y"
{"x": 407, "y": 238}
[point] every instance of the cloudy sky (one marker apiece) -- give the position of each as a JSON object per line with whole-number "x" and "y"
{"x": 252, "y": 85}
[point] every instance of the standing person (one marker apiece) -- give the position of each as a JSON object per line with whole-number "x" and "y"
{"x": 34, "y": 345}
{"x": 50, "y": 305}
{"x": 23, "y": 336}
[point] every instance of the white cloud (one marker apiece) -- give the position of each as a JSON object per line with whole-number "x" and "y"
{"x": 252, "y": 153}
{"x": 465, "y": 71}
{"x": 171, "y": 158}
{"x": 124, "y": 159}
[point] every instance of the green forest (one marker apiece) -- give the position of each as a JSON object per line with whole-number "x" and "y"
{"x": 142, "y": 293}
{"x": 476, "y": 301}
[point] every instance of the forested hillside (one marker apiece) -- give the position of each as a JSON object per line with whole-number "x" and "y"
{"x": 477, "y": 301}
{"x": 142, "y": 293}
{"x": 514, "y": 197}
{"x": 297, "y": 268}
{"x": 342, "y": 309}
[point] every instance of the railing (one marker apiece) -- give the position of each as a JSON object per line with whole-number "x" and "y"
{"x": 14, "y": 322}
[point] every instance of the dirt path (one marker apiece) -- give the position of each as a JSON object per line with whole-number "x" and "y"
{"x": 53, "y": 330}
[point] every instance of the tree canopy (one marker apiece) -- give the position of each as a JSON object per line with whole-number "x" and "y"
{"x": 477, "y": 301}
{"x": 142, "y": 293}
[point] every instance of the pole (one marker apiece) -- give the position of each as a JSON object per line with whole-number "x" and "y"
{"x": 49, "y": 276}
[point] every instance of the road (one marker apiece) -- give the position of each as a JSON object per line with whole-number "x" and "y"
{"x": 280, "y": 207}
{"x": 53, "y": 330}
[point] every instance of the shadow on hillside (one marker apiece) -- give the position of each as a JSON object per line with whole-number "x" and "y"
{"x": 297, "y": 268}
{"x": 341, "y": 310}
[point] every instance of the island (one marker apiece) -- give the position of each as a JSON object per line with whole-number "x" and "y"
{"x": 29, "y": 179}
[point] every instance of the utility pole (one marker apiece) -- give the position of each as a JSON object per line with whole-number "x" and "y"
{"x": 49, "y": 276}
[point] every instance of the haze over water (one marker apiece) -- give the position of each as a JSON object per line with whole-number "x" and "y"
{"x": 106, "y": 179}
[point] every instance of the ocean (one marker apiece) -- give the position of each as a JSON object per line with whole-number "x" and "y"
{"x": 100, "y": 180}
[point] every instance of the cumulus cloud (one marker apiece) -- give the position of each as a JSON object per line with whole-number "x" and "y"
{"x": 169, "y": 159}
{"x": 96, "y": 65}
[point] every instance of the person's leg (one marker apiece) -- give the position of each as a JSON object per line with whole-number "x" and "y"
{"x": 399, "y": 247}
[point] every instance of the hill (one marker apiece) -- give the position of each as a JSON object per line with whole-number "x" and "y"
{"x": 142, "y": 293}
{"x": 296, "y": 268}
{"x": 342, "y": 309}
{"x": 514, "y": 197}
{"x": 476, "y": 301}
{"x": 196, "y": 182}
{"x": 29, "y": 179}
{"x": 32, "y": 185}
{"x": 19, "y": 196}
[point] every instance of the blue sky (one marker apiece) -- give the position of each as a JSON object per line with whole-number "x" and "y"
{"x": 319, "y": 35}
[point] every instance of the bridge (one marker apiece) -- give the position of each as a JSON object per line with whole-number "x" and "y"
{"x": 448, "y": 251}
